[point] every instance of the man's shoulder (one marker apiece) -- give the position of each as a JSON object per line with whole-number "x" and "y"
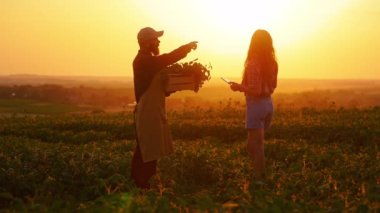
{"x": 142, "y": 58}
{"x": 142, "y": 55}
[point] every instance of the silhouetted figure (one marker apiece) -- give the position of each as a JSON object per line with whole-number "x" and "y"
{"x": 152, "y": 131}
{"x": 258, "y": 84}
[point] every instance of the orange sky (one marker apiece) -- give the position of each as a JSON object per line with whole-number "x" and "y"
{"x": 313, "y": 39}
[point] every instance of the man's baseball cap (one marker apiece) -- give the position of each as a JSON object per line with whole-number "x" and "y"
{"x": 148, "y": 33}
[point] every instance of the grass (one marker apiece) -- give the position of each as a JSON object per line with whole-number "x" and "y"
{"x": 316, "y": 161}
{"x": 24, "y": 106}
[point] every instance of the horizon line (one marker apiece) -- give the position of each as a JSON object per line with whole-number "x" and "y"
{"x": 129, "y": 76}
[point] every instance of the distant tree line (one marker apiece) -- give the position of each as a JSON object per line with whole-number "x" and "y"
{"x": 80, "y": 95}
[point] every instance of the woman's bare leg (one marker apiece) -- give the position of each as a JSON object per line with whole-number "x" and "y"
{"x": 255, "y": 148}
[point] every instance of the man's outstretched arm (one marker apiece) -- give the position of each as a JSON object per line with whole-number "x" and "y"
{"x": 164, "y": 60}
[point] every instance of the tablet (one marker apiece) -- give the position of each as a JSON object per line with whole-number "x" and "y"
{"x": 226, "y": 80}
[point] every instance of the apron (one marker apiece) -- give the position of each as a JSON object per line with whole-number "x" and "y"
{"x": 152, "y": 128}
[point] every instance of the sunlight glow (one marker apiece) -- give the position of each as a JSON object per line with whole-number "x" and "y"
{"x": 241, "y": 17}
{"x": 95, "y": 37}
{"x": 224, "y": 28}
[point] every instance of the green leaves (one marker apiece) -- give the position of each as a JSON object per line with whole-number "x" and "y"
{"x": 200, "y": 72}
{"x": 315, "y": 161}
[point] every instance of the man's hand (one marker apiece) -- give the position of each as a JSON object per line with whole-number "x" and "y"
{"x": 196, "y": 89}
{"x": 193, "y": 45}
{"x": 167, "y": 94}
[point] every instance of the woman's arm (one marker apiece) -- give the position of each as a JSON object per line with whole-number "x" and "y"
{"x": 238, "y": 87}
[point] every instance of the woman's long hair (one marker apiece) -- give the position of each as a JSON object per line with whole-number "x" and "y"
{"x": 261, "y": 51}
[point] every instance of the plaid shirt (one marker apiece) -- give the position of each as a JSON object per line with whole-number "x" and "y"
{"x": 258, "y": 84}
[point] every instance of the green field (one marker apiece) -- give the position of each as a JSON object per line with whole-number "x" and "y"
{"x": 317, "y": 161}
{"x": 25, "y": 106}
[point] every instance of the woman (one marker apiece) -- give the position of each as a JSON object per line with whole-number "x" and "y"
{"x": 258, "y": 84}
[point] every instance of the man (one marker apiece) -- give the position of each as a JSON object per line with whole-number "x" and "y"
{"x": 152, "y": 130}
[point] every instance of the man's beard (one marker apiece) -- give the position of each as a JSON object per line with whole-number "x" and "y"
{"x": 155, "y": 50}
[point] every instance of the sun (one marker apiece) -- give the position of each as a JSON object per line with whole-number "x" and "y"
{"x": 239, "y": 17}
{"x": 224, "y": 28}
{"x": 296, "y": 17}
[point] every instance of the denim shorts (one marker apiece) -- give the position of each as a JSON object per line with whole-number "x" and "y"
{"x": 259, "y": 112}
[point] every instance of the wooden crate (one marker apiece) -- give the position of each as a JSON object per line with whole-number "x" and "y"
{"x": 179, "y": 81}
